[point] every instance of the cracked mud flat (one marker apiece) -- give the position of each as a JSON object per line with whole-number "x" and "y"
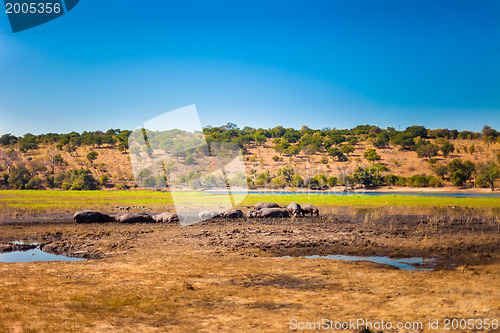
{"x": 228, "y": 275}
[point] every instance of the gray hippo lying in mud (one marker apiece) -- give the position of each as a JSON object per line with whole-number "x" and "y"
{"x": 208, "y": 214}
{"x": 135, "y": 218}
{"x": 251, "y": 213}
{"x": 90, "y": 216}
{"x": 233, "y": 214}
{"x": 261, "y": 205}
{"x": 273, "y": 212}
{"x": 310, "y": 209}
{"x": 295, "y": 209}
{"x": 166, "y": 217}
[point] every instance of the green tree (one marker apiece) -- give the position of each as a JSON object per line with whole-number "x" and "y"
{"x": 367, "y": 176}
{"x": 292, "y": 150}
{"x": 19, "y": 177}
{"x": 371, "y": 155}
{"x": 382, "y": 140}
{"x": 92, "y": 156}
{"x": 297, "y": 180}
{"x": 427, "y": 150}
{"x": 391, "y": 179}
{"x": 447, "y": 148}
{"x": 27, "y": 143}
{"x": 347, "y": 149}
{"x": 7, "y": 139}
{"x": 465, "y": 169}
{"x": 458, "y": 178}
{"x": 286, "y": 173}
{"x": 103, "y": 180}
{"x": 34, "y": 183}
{"x": 331, "y": 181}
{"x": 440, "y": 170}
{"x": 486, "y": 175}
{"x": 335, "y": 152}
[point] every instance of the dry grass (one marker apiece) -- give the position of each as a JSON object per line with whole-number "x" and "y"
{"x": 165, "y": 283}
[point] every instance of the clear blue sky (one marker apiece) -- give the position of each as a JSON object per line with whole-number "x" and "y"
{"x": 117, "y": 63}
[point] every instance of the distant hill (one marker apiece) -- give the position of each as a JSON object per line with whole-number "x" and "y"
{"x": 274, "y": 158}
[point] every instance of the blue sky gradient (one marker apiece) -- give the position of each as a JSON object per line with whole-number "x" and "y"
{"x": 117, "y": 64}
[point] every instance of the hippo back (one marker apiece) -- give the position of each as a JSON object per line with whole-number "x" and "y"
{"x": 166, "y": 217}
{"x": 233, "y": 214}
{"x": 310, "y": 209}
{"x": 262, "y": 205}
{"x": 135, "y": 218}
{"x": 90, "y": 216}
{"x": 251, "y": 213}
{"x": 208, "y": 214}
{"x": 273, "y": 212}
{"x": 294, "y": 209}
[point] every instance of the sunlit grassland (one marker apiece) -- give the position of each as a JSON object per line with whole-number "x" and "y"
{"x": 53, "y": 201}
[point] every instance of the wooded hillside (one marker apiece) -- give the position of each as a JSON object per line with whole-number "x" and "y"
{"x": 274, "y": 158}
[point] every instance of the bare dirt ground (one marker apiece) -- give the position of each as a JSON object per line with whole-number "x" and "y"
{"x": 230, "y": 276}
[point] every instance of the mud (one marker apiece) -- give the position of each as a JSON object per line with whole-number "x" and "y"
{"x": 451, "y": 240}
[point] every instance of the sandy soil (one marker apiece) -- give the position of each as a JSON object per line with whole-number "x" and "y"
{"x": 229, "y": 276}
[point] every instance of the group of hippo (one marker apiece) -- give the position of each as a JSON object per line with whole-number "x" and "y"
{"x": 270, "y": 209}
{"x": 260, "y": 210}
{"x": 90, "y": 216}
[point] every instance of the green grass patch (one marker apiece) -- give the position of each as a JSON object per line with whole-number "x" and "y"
{"x": 61, "y": 201}
{"x": 375, "y": 201}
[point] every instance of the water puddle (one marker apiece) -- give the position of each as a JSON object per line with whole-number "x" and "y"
{"x": 410, "y": 264}
{"x": 33, "y": 255}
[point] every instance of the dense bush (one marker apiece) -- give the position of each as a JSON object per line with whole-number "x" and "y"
{"x": 80, "y": 179}
{"x": 19, "y": 177}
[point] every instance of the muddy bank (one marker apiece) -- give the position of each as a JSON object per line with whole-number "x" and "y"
{"x": 451, "y": 240}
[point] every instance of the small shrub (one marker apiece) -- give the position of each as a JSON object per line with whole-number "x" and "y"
{"x": 391, "y": 179}
{"x": 435, "y": 182}
{"x": 34, "y": 183}
{"x": 418, "y": 181}
{"x": 332, "y": 181}
{"x": 103, "y": 180}
{"x": 297, "y": 181}
{"x": 121, "y": 186}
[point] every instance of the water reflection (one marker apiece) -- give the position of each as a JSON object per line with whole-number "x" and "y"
{"x": 33, "y": 255}
{"x": 410, "y": 264}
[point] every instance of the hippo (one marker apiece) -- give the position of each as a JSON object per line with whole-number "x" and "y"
{"x": 294, "y": 209}
{"x": 233, "y": 214}
{"x": 273, "y": 212}
{"x": 208, "y": 215}
{"x": 90, "y": 216}
{"x": 166, "y": 217}
{"x": 135, "y": 218}
{"x": 261, "y": 205}
{"x": 309, "y": 209}
{"x": 251, "y": 213}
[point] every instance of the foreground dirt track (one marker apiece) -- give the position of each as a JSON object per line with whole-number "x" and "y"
{"x": 226, "y": 276}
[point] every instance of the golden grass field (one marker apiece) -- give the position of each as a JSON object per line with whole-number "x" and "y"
{"x": 227, "y": 276}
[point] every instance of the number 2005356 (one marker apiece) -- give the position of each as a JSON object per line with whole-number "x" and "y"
{"x": 32, "y": 8}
